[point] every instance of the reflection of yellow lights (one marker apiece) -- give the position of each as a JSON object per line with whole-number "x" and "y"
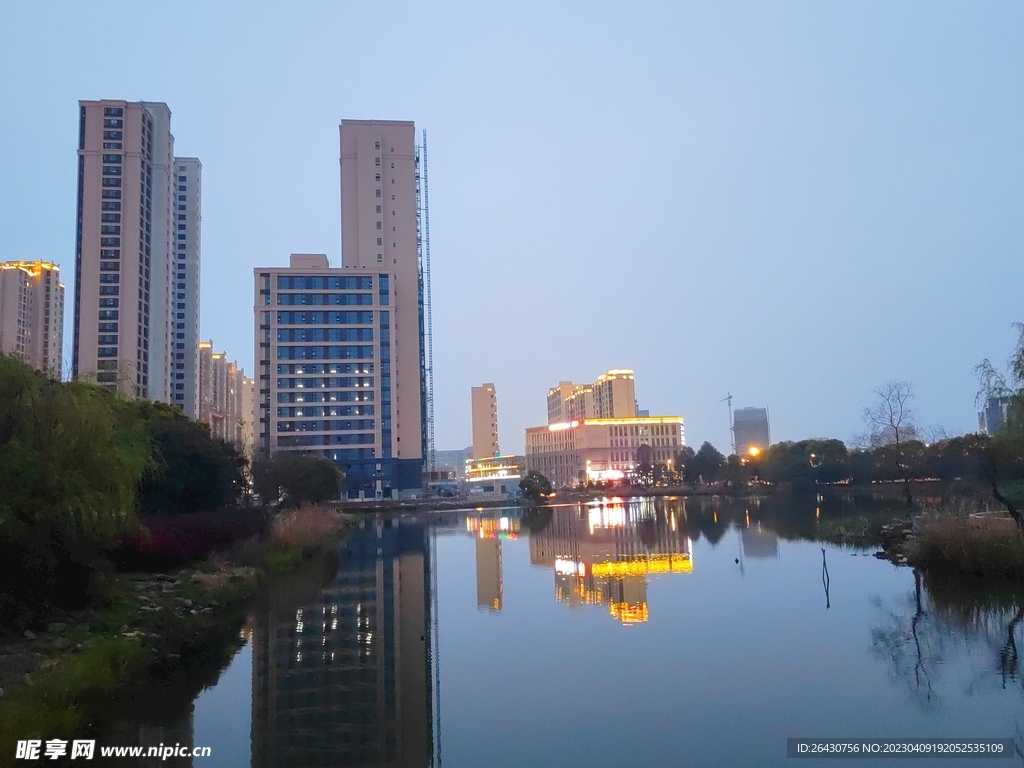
{"x": 612, "y": 516}
{"x": 654, "y": 564}
{"x": 628, "y": 614}
{"x": 754, "y": 450}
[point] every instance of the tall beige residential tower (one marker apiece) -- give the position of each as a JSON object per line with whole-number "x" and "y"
{"x": 340, "y": 350}
{"x": 122, "y": 250}
{"x": 32, "y": 314}
{"x": 136, "y": 321}
{"x": 485, "y": 422}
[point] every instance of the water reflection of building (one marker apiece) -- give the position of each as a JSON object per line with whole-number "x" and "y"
{"x": 178, "y": 733}
{"x": 344, "y": 679}
{"x": 488, "y": 574}
{"x": 759, "y": 543}
{"x": 488, "y": 532}
{"x": 603, "y": 553}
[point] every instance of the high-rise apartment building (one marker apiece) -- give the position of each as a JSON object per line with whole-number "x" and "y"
{"x": 340, "y": 350}
{"x": 136, "y": 322}
{"x": 32, "y": 314}
{"x": 485, "y": 421}
{"x": 994, "y": 413}
{"x": 183, "y": 386}
{"x": 380, "y": 229}
{"x": 750, "y": 430}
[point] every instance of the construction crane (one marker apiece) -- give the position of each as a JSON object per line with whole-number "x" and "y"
{"x": 732, "y": 432}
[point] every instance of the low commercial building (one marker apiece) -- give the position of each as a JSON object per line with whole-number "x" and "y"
{"x": 573, "y": 452}
{"x": 494, "y": 477}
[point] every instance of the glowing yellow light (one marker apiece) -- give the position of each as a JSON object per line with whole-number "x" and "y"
{"x": 628, "y": 614}
{"x": 754, "y": 450}
{"x": 677, "y": 563}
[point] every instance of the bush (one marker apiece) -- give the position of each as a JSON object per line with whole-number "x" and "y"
{"x": 193, "y": 471}
{"x": 293, "y": 478}
{"x": 305, "y": 528}
{"x": 166, "y": 540}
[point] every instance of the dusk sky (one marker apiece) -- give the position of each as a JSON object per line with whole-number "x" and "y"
{"x": 792, "y": 202}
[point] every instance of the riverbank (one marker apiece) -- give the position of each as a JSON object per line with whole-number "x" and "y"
{"x": 980, "y": 545}
{"x": 61, "y": 682}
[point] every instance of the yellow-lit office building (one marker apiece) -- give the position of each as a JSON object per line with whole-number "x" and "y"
{"x": 573, "y": 452}
{"x": 593, "y": 432}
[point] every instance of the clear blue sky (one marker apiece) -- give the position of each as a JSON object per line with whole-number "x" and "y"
{"x": 790, "y": 201}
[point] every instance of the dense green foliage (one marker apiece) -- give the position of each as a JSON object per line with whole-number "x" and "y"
{"x": 76, "y": 464}
{"x": 293, "y": 478}
{"x": 193, "y": 472}
{"x": 71, "y": 457}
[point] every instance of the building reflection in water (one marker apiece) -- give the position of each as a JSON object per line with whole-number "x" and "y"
{"x": 603, "y": 552}
{"x": 759, "y": 543}
{"x": 343, "y": 677}
{"x": 489, "y": 532}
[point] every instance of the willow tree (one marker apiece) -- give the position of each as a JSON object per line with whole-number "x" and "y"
{"x": 1002, "y": 455}
{"x": 71, "y": 458}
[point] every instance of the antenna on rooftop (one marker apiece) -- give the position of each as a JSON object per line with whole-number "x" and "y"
{"x": 732, "y": 432}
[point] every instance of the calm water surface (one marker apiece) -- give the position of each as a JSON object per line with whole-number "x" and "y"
{"x": 635, "y": 633}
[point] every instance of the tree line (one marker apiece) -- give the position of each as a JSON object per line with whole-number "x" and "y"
{"x": 80, "y": 466}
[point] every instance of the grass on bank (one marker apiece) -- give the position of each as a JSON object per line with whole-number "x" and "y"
{"x": 985, "y": 547}
{"x": 139, "y": 625}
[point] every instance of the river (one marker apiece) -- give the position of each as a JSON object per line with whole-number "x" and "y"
{"x": 639, "y": 632}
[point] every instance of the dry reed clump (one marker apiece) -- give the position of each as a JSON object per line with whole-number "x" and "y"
{"x": 305, "y": 528}
{"x": 978, "y": 545}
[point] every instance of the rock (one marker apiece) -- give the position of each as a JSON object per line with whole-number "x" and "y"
{"x": 61, "y": 644}
{"x": 57, "y": 626}
{"x": 173, "y": 655}
{"x": 124, "y": 628}
{"x": 188, "y": 602}
{"x": 30, "y": 635}
{"x": 2, "y": 692}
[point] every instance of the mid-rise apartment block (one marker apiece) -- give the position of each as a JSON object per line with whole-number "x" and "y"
{"x": 484, "y": 403}
{"x": 326, "y": 368}
{"x": 136, "y": 312}
{"x": 32, "y": 314}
